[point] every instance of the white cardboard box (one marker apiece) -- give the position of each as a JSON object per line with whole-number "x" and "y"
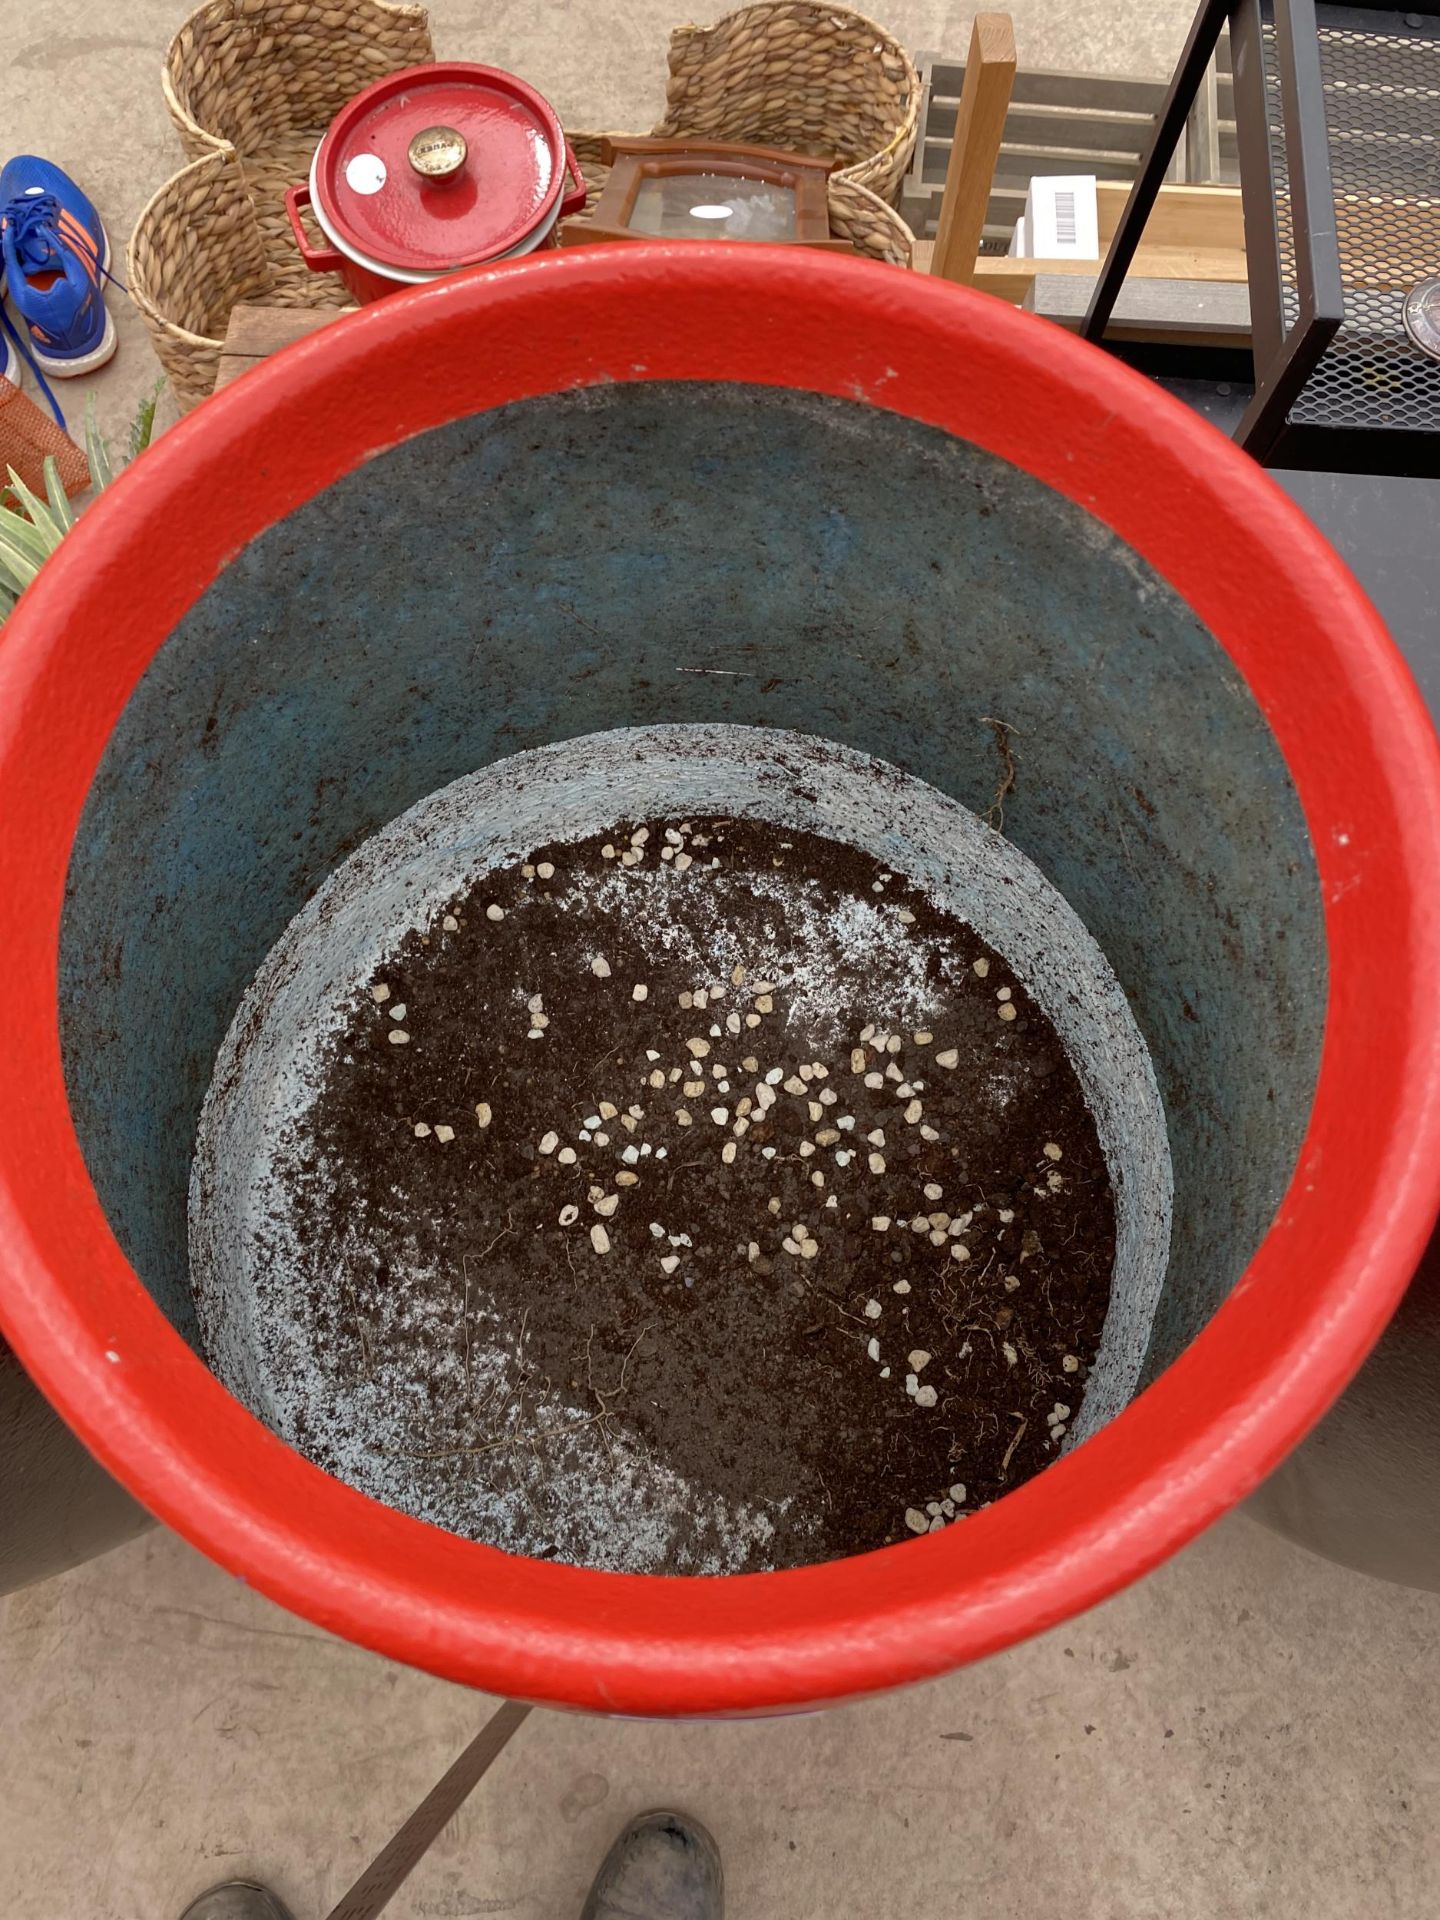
{"x": 1061, "y": 219}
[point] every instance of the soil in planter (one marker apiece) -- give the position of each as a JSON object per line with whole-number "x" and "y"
{"x": 694, "y": 1197}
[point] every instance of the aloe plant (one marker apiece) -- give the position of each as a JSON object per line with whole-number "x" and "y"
{"x": 32, "y": 528}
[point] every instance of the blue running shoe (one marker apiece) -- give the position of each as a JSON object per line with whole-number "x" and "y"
{"x": 56, "y": 257}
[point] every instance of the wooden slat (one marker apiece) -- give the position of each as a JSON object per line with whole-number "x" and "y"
{"x": 1047, "y": 126}
{"x": 1040, "y": 87}
{"x": 1193, "y": 313}
{"x": 1010, "y": 279}
{"x": 255, "y": 332}
{"x": 980, "y": 126}
{"x": 1021, "y": 162}
{"x": 1207, "y": 217}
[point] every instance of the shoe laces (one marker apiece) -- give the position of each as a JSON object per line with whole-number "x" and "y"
{"x": 32, "y": 219}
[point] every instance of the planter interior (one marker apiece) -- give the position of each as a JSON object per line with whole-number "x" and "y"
{"x": 837, "y": 571}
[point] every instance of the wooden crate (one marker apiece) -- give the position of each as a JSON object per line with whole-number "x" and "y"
{"x": 1058, "y": 123}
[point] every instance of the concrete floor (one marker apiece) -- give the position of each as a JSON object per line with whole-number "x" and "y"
{"x": 1249, "y": 1732}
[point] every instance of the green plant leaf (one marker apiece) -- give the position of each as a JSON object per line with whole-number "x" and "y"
{"x": 23, "y": 536}
{"x": 143, "y": 425}
{"x": 97, "y": 452}
{"x": 16, "y": 570}
{"x": 39, "y": 514}
{"x": 59, "y": 499}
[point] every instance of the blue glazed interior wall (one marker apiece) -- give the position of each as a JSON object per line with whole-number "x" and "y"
{"x": 691, "y": 552}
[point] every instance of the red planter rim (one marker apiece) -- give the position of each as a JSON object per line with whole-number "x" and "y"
{"x": 1344, "y": 711}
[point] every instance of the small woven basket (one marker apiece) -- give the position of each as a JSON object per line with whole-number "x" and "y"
{"x": 196, "y": 252}
{"x": 251, "y": 74}
{"x": 251, "y": 86}
{"x": 808, "y": 78}
{"x": 805, "y": 78}
{"x": 872, "y": 228}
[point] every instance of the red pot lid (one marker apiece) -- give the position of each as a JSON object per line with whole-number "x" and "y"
{"x": 439, "y": 166}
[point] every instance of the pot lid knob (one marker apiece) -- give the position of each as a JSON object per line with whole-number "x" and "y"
{"x": 438, "y": 153}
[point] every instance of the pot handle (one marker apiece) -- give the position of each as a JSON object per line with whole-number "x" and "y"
{"x": 574, "y": 200}
{"x": 317, "y": 259}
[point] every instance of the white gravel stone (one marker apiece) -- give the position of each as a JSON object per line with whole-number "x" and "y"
{"x": 599, "y": 1238}
{"x": 872, "y": 1309}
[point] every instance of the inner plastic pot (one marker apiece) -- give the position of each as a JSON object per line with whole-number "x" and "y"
{"x": 628, "y": 487}
{"x": 268, "y": 1348}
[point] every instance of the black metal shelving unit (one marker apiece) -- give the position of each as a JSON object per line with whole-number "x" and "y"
{"x": 1337, "y": 112}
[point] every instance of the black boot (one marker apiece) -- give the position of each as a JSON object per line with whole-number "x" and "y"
{"x": 662, "y": 1867}
{"x": 237, "y": 1900}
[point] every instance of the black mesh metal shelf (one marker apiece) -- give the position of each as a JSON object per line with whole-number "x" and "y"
{"x": 1338, "y": 125}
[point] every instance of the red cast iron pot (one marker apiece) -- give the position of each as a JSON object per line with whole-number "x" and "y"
{"x": 432, "y": 169}
{"x": 721, "y": 337}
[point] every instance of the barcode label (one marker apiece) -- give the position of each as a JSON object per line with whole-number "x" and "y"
{"x": 1065, "y": 235}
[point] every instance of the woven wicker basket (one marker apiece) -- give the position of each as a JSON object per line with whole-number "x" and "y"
{"x": 252, "y": 86}
{"x": 254, "y": 74}
{"x": 808, "y": 78}
{"x": 872, "y": 228}
{"x": 196, "y": 252}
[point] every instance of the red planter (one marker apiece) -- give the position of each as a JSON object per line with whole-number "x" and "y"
{"x": 1297, "y": 632}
